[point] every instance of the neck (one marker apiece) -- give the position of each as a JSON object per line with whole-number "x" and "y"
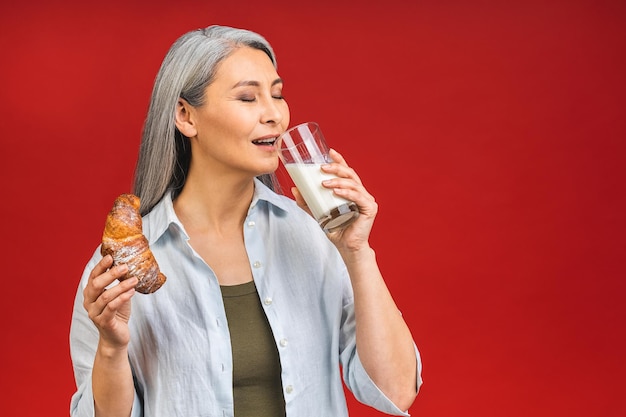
{"x": 219, "y": 204}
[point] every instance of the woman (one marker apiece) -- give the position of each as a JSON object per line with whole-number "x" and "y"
{"x": 260, "y": 307}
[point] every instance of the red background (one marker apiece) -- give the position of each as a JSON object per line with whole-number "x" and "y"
{"x": 491, "y": 133}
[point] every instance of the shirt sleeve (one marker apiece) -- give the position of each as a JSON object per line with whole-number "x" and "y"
{"x": 356, "y": 378}
{"x": 83, "y": 343}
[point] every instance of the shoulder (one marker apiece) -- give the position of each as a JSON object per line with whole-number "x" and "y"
{"x": 160, "y": 219}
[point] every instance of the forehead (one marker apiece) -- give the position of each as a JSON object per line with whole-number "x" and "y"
{"x": 246, "y": 63}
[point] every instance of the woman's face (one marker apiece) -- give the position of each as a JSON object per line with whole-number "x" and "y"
{"x": 244, "y": 112}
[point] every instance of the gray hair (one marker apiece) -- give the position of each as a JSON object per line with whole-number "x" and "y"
{"x": 187, "y": 70}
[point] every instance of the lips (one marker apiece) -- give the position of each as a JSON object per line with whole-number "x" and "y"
{"x": 267, "y": 141}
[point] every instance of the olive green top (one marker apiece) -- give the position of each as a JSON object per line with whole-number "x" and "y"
{"x": 257, "y": 386}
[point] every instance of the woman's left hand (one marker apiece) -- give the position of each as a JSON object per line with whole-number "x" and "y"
{"x": 349, "y": 186}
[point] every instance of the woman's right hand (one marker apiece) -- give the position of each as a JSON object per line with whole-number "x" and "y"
{"x": 109, "y": 308}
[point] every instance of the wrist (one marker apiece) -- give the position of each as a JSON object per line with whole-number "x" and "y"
{"x": 109, "y": 351}
{"x": 358, "y": 255}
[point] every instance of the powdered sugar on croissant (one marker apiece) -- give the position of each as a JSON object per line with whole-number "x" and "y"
{"x": 123, "y": 239}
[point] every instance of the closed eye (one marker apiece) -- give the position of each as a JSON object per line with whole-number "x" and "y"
{"x": 247, "y": 99}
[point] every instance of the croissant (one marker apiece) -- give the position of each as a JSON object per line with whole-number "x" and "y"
{"x": 123, "y": 239}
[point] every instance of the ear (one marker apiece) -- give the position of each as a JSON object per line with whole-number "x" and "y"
{"x": 184, "y": 118}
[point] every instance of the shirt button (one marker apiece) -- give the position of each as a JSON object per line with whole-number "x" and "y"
{"x": 283, "y": 342}
{"x": 267, "y": 301}
{"x": 289, "y": 389}
{"x": 251, "y": 223}
{"x": 256, "y": 264}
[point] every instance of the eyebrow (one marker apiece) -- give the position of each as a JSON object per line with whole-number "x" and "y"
{"x": 256, "y": 83}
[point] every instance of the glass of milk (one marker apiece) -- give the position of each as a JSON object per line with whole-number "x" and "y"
{"x": 302, "y": 150}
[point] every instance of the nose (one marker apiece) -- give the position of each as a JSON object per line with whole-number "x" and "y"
{"x": 273, "y": 111}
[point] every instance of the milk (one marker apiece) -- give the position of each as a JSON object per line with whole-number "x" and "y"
{"x": 308, "y": 178}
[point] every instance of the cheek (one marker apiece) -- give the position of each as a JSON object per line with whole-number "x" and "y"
{"x": 229, "y": 122}
{"x": 286, "y": 116}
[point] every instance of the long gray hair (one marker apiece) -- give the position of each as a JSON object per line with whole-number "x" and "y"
{"x": 187, "y": 70}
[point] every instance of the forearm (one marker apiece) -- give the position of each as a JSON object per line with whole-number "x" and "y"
{"x": 384, "y": 342}
{"x": 112, "y": 383}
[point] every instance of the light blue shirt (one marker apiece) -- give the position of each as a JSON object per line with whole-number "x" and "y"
{"x": 180, "y": 349}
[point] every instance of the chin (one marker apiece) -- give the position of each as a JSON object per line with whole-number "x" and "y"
{"x": 271, "y": 168}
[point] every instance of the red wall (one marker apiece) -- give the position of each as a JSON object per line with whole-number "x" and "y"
{"x": 492, "y": 134}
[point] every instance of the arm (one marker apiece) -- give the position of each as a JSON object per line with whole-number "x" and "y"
{"x": 392, "y": 365}
{"x": 109, "y": 309}
{"x": 383, "y": 340}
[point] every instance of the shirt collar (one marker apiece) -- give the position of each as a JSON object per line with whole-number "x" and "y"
{"x": 263, "y": 193}
{"x": 163, "y": 216}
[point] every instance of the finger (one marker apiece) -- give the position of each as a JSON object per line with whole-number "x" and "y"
{"x": 348, "y": 185}
{"x": 101, "y": 267}
{"x": 97, "y": 284}
{"x": 107, "y": 278}
{"x": 365, "y": 201}
{"x": 337, "y": 157}
{"x": 111, "y": 299}
{"x": 112, "y": 293}
{"x": 341, "y": 169}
